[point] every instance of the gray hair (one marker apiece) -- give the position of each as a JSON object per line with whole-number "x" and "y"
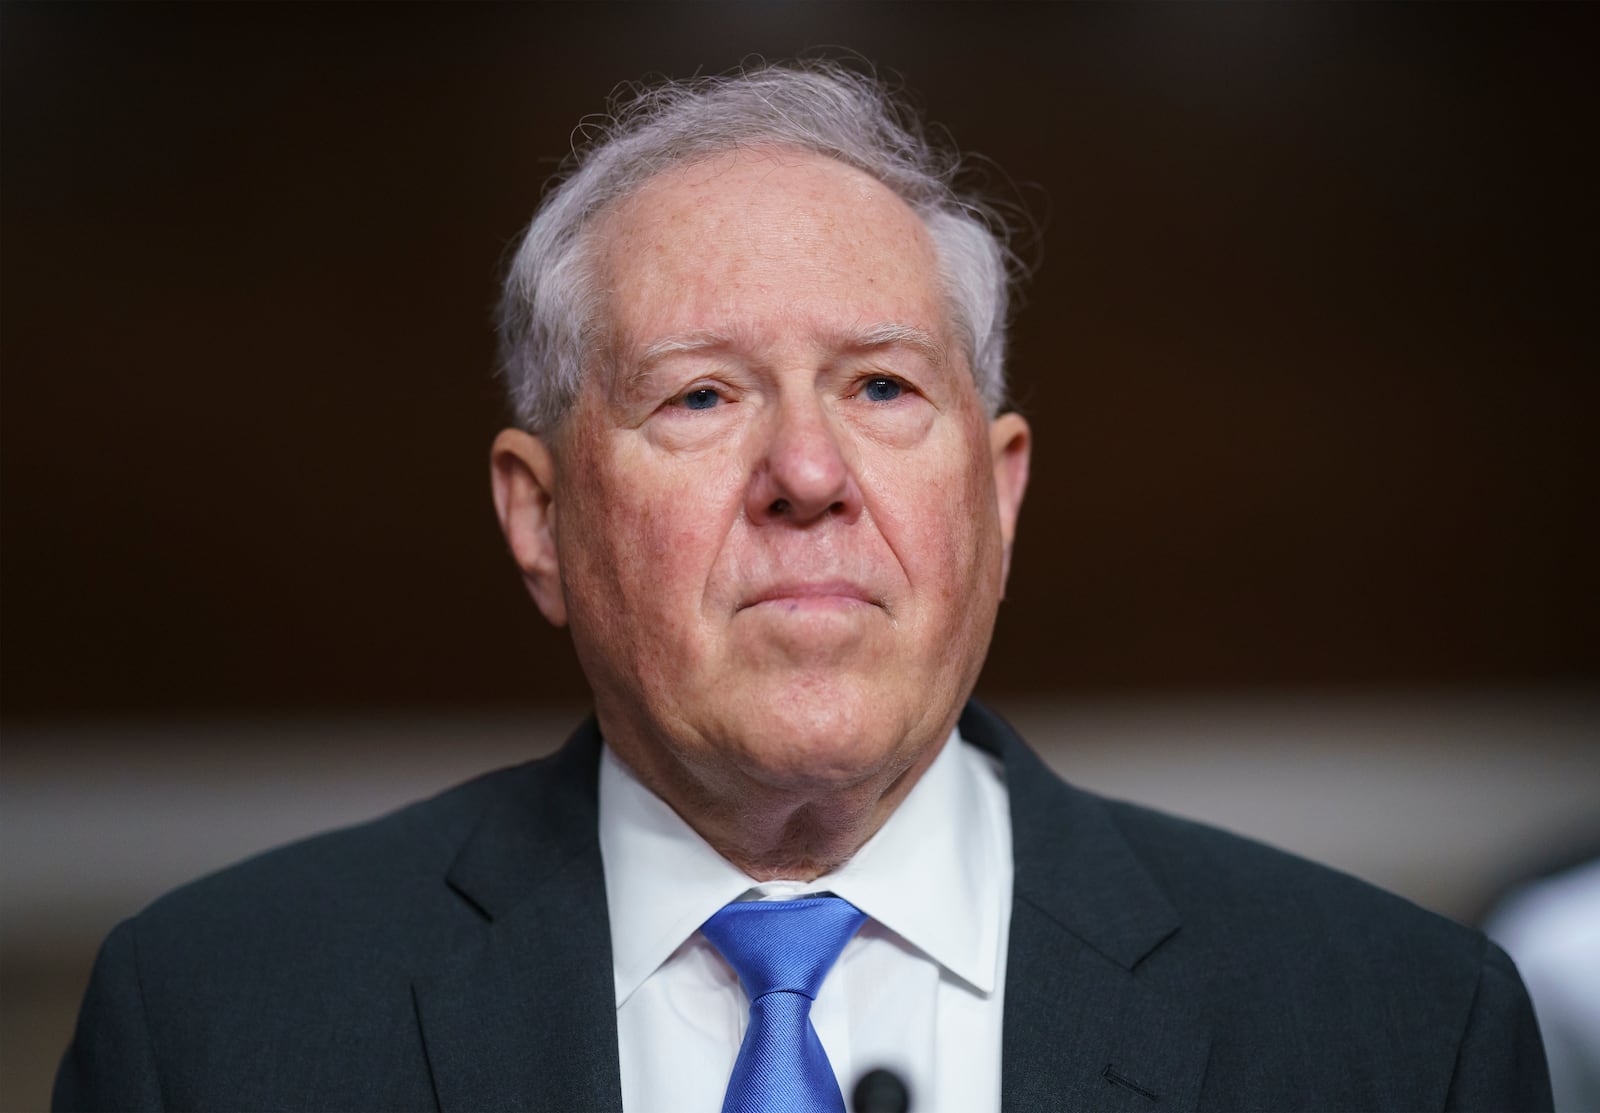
{"x": 550, "y": 316}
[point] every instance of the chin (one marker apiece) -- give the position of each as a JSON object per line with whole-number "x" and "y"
{"x": 831, "y": 737}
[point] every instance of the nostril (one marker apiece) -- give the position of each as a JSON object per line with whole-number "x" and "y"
{"x": 779, "y": 506}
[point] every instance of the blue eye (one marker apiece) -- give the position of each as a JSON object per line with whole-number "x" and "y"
{"x": 703, "y": 399}
{"x": 881, "y": 390}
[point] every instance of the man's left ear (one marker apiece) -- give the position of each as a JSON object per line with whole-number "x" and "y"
{"x": 523, "y": 471}
{"x": 1010, "y": 444}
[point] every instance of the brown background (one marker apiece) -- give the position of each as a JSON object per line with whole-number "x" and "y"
{"x": 1311, "y": 357}
{"x": 1311, "y": 354}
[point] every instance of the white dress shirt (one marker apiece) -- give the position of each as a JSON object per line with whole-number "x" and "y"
{"x": 918, "y": 990}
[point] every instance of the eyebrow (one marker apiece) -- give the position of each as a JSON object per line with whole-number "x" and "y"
{"x": 886, "y": 335}
{"x": 700, "y": 340}
{"x": 893, "y": 335}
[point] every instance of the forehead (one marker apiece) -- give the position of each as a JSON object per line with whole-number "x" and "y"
{"x": 765, "y": 242}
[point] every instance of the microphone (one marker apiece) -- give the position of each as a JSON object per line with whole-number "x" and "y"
{"x": 880, "y": 1091}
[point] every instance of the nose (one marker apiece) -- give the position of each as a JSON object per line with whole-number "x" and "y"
{"x": 803, "y": 473}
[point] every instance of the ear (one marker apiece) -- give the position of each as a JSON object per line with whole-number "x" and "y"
{"x": 1010, "y": 445}
{"x": 522, "y": 471}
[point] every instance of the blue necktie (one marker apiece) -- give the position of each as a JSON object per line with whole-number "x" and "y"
{"x": 782, "y": 950}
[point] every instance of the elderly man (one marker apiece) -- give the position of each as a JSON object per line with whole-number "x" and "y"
{"x": 763, "y": 472}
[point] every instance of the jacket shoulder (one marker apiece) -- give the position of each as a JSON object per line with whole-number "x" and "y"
{"x": 1302, "y": 963}
{"x": 260, "y": 985}
{"x": 386, "y": 871}
{"x": 1220, "y": 881}
{"x": 1312, "y": 989}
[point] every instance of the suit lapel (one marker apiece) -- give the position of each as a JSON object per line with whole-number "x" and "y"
{"x": 1082, "y": 1028}
{"x": 521, "y": 1013}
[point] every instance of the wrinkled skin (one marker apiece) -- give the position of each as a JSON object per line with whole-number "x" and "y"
{"x": 777, "y": 519}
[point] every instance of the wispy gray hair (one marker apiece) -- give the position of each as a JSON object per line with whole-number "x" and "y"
{"x": 551, "y": 320}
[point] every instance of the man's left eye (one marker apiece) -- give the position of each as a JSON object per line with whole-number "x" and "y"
{"x": 702, "y": 399}
{"x": 881, "y": 390}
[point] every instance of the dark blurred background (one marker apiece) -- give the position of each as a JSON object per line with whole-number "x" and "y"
{"x": 1310, "y": 355}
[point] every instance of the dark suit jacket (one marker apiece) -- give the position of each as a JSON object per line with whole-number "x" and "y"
{"x": 456, "y": 955}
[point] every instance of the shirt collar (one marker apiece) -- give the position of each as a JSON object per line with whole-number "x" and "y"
{"x": 928, "y": 874}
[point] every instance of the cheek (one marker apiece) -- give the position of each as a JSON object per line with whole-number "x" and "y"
{"x": 936, "y": 512}
{"x": 645, "y": 561}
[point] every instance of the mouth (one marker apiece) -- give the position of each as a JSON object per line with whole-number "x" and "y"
{"x": 812, "y": 595}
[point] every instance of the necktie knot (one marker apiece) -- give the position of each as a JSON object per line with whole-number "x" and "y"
{"x": 787, "y": 945}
